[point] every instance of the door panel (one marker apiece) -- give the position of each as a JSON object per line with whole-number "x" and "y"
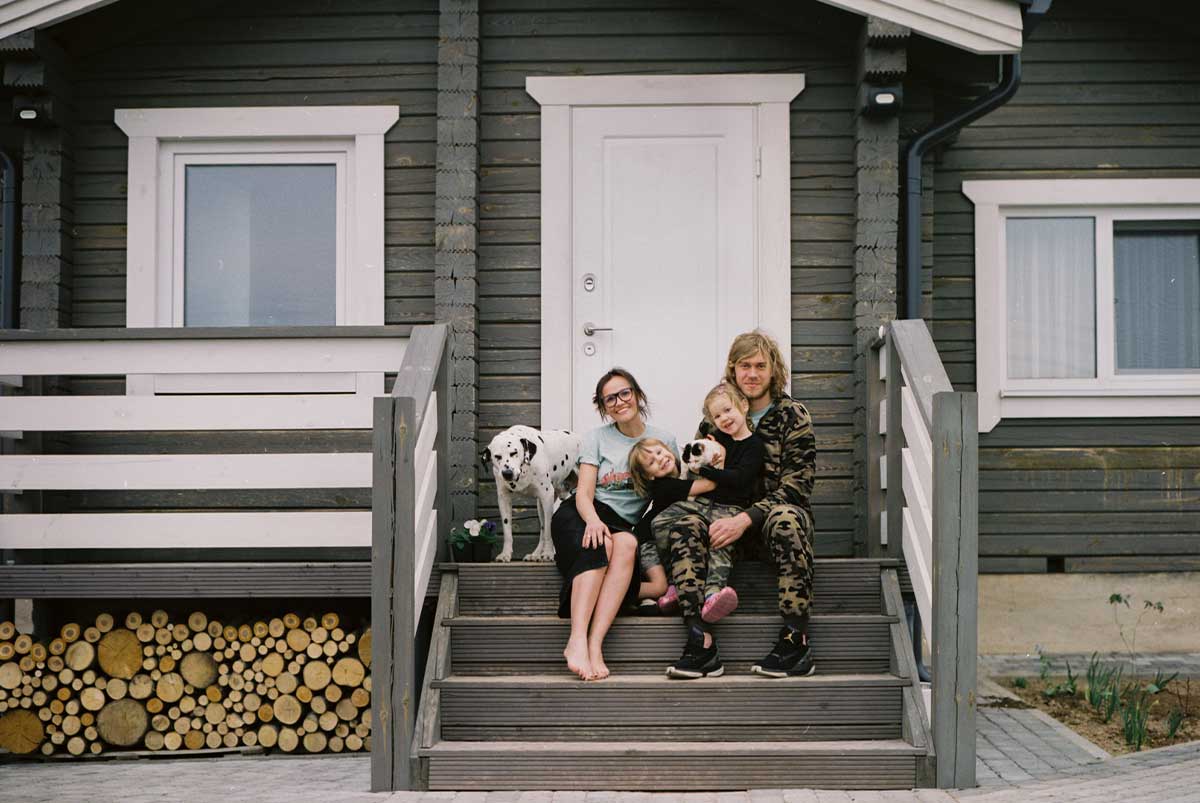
{"x": 663, "y": 223}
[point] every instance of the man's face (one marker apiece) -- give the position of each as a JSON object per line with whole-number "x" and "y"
{"x": 753, "y": 376}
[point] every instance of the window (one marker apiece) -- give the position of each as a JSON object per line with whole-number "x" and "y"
{"x": 255, "y": 216}
{"x": 1087, "y": 298}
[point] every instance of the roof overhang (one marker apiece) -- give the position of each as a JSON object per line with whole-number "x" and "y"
{"x": 980, "y": 26}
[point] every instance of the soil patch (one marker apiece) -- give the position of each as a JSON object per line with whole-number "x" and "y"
{"x": 1078, "y": 715}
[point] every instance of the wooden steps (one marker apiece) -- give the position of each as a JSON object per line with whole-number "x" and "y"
{"x": 500, "y": 711}
{"x": 737, "y": 707}
{"x": 665, "y": 766}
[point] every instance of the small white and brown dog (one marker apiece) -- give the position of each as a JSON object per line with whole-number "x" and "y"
{"x": 536, "y": 463}
{"x": 699, "y": 453}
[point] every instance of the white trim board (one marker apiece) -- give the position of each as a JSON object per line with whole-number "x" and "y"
{"x": 771, "y": 94}
{"x": 1109, "y": 393}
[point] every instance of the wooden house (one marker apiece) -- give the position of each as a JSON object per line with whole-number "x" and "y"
{"x": 233, "y": 224}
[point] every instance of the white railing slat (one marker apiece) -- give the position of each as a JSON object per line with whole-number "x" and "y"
{"x": 919, "y": 560}
{"x": 883, "y": 472}
{"x": 423, "y": 567}
{"x": 916, "y": 436}
{"x": 202, "y": 356}
{"x": 423, "y": 448}
{"x": 184, "y": 413}
{"x": 141, "y": 472}
{"x": 917, "y": 497}
{"x": 883, "y": 413}
{"x": 426, "y": 493}
{"x": 349, "y": 528}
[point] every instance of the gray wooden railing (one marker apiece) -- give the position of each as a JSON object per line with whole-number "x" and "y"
{"x": 923, "y": 503}
{"x": 408, "y": 504}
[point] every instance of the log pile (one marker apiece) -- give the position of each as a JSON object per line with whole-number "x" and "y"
{"x": 288, "y": 684}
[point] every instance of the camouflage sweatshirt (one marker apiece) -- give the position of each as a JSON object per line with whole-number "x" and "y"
{"x": 791, "y": 462}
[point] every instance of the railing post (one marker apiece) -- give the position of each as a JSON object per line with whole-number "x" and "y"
{"x": 895, "y": 446}
{"x": 444, "y": 385}
{"x": 393, "y": 663}
{"x": 876, "y": 501}
{"x": 955, "y": 585}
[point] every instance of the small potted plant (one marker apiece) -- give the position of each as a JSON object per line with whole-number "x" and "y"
{"x": 473, "y": 541}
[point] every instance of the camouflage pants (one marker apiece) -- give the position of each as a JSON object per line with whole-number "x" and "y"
{"x": 709, "y": 574}
{"x": 786, "y": 541}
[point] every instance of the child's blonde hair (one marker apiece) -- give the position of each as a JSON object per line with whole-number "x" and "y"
{"x": 642, "y": 479}
{"x": 729, "y": 391}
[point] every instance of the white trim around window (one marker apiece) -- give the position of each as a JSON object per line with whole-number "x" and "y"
{"x": 162, "y": 141}
{"x": 1109, "y": 392}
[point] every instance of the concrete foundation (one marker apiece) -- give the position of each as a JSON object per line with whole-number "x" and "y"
{"x": 1070, "y": 613}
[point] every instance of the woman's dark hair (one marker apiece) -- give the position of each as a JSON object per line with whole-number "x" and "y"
{"x": 642, "y": 405}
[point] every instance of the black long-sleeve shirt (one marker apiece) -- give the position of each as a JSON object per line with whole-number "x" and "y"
{"x": 738, "y": 482}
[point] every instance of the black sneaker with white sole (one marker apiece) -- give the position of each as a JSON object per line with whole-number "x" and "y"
{"x": 791, "y": 657}
{"x": 697, "y": 660}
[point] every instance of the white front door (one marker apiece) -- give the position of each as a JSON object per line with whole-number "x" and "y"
{"x": 666, "y": 226}
{"x": 663, "y": 238}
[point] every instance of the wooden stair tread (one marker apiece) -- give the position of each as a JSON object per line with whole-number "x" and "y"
{"x": 668, "y": 622}
{"x": 895, "y": 747}
{"x": 548, "y": 566}
{"x": 533, "y": 681}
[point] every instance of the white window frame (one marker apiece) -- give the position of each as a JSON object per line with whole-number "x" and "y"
{"x": 1109, "y": 394}
{"x": 163, "y": 141}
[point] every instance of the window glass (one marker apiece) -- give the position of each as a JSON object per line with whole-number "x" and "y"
{"x": 1156, "y": 288}
{"x": 260, "y": 245}
{"x": 1051, "y": 289}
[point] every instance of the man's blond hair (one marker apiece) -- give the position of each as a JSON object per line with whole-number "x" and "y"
{"x": 745, "y": 345}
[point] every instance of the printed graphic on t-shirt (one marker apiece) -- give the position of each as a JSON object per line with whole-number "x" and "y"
{"x": 616, "y": 481}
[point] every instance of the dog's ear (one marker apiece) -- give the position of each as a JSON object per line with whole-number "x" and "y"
{"x": 687, "y": 452}
{"x": 530, "y": 448}
{"x": 485, "y": 457}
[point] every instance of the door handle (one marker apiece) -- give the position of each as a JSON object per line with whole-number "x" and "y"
{"x": 590, "y": 329}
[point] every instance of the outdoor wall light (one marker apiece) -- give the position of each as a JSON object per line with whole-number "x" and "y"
{"x": 883, "y": 100}
{"x": 32, "y": 111}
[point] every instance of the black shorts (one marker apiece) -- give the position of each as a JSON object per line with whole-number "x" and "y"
{"x": 566, "y": 529}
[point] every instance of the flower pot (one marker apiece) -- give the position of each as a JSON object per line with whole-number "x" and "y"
{"x": 472, "y": 552}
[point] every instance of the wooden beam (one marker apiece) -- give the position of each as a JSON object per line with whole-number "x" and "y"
{"x": 200, "y": 356}
{"x": 323, "y": 528}
{"x": 954, "y": 629}
{"x": 72, "y": 472}
{"x": 923, "y": 370}
{"x": 894, "y": 443}
{"x": 184, "y": 413}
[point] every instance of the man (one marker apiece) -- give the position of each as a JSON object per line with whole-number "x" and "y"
{"x": 778, "y": 527}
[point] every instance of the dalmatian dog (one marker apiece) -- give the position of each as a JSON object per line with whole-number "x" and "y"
{"x": 535, "y": 463}
{"x": 699, "y": 453}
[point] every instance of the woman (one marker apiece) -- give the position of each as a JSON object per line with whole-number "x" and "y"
{"x": 595, "y": 548}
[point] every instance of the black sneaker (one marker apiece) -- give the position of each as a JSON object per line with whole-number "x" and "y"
{"x": 648, "y": 607}
{"x": 697, "y": 661}
{"x": 791, "y": 656}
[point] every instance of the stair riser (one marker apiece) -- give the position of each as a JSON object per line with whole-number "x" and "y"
{"x": 527, "y": 590}
{"x": 512, "y": 647}
{"x": 622, "y": 771}
{"x": 681, "y": 712}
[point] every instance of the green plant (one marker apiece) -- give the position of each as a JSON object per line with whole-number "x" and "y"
{"x": 1067, "y": 688}
{"x": 1043, "y": 664}
{"x": 1135, "y": 715}
{"x": 473, "y": 531}
{"x": 1128, "y": 633}
{"x": 1174, "y": 720}
{"x": 1099, "y": 681}
{"x": 1112, "y": 697}
{"x": 1160, "y": 682}
{"x": 1020, "y": 683}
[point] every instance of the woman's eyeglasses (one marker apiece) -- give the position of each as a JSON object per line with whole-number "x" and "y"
{"x": 624, "y": 394}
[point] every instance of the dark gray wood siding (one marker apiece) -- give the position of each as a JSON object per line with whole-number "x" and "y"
{"x": 1107, "y": 92}
{"x": 520, "y": 38}
{"x": 272, "y": 53}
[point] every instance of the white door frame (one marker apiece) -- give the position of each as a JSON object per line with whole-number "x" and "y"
{"x": 771, "y": 94}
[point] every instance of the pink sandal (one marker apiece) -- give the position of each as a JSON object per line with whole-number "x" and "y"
{"x": 669, "y": 602}
{"x": 719, "y": 605}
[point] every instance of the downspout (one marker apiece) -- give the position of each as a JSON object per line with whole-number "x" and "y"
{"x": 8, "y": 265}
{"x": 1032, "y": 13}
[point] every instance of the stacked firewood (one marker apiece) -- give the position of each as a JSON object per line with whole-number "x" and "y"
{"x": 288, "y": 684}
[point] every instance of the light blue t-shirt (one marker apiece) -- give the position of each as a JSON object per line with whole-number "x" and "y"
{"x": 608, "y": 449}
{"x": 756, "y": 417}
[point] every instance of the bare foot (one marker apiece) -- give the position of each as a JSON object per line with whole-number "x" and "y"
{"x": 576, "y": 654}
{"x": 599, "y": 668}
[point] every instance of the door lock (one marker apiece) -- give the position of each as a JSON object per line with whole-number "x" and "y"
{"x": 590, "y": 329}
{"x": 589, "y": 282}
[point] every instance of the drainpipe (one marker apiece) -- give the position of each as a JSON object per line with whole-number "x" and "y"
{"x": 1032, "y": 13}
{"x": 8, "y": 267}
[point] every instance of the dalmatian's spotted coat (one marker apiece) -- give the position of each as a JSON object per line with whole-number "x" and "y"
{"x": 537, "y": 463}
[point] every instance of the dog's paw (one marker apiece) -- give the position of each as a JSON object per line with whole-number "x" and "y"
{"x": 541, "y": 555}
{"x": 504, "y": 557}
